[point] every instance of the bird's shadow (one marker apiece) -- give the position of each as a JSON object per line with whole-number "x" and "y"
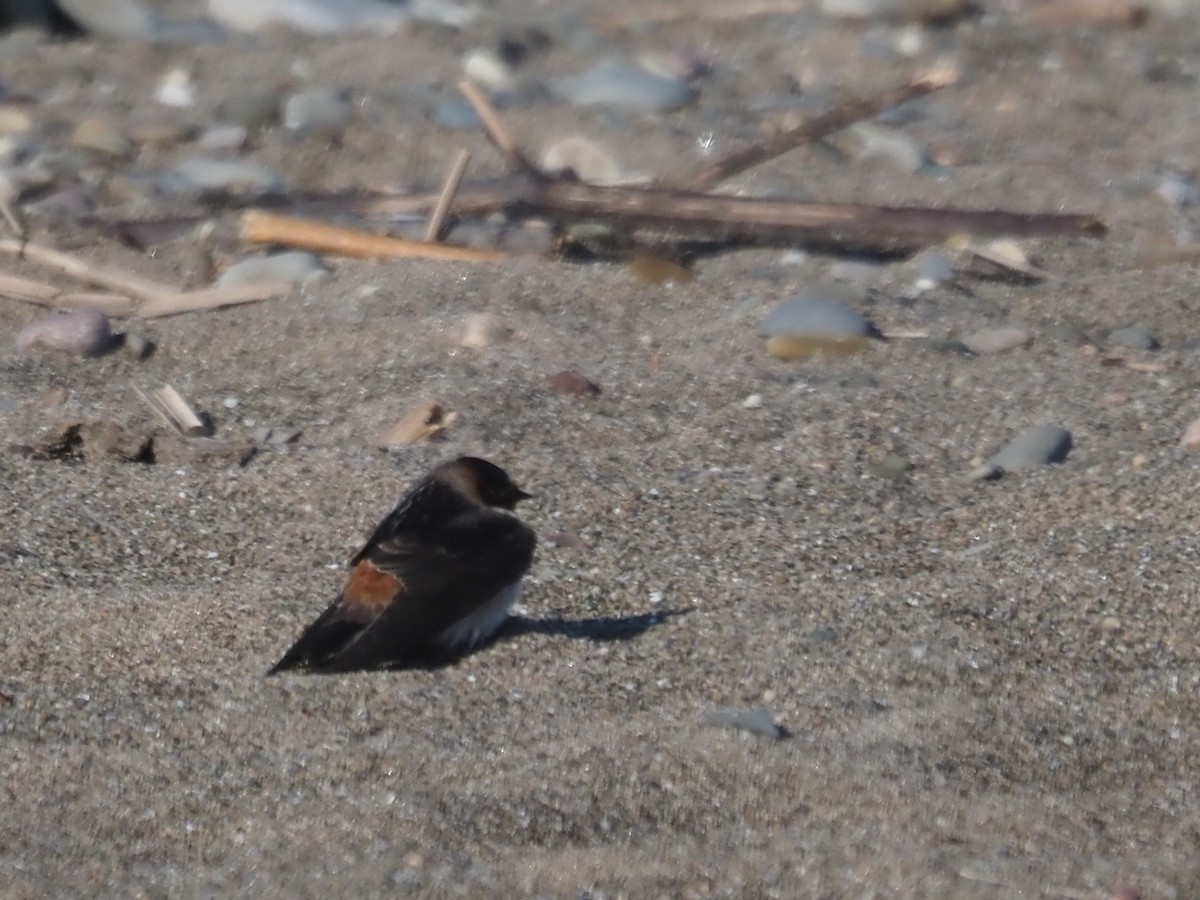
{"x": 601, "y": 630}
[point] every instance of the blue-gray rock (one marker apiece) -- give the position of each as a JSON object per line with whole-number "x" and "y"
{"x": 1039, "y": 446}
{"x": 202, "y": 173}
{"x": 457, "y": 115}
{"x": 320, "y": 109}
{"x": 314, "y": 17}
{"x": 821, "y": 310}
{"x": 625, "y": 86}
{"x": 756, "y": 721}
{"x": 997, "y": 340}
{"x": 125, "y": 19}
{"x": 295, "y": 266}
{"x": 1135, "y": 337}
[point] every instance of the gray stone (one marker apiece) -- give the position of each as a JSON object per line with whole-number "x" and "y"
{"x": 296, "y": 266}
{"x": 997, "y": 340}
{"x": 314, "y": 17}
{"x": 625, "y": 86}
{"x": 202, "y": 173}
{"x": 1039, "y": 446}
{"x": 456, "y": 114}
{"x": 819, "y": 310}
{"x": 80, "y": 332}
{"x": 317, "y": 110}
{"x": 1135, "y": 337}
{"x": 756, "y": 721}
{"x": 126, "y": 19}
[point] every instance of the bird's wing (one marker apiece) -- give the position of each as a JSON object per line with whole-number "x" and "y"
{"x": 405, "y": 589}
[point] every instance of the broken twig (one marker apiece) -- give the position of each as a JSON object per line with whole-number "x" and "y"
{"x": 438, "y": 217}
{"x": 260, "y": 227}
{"x": 494, "y": 127}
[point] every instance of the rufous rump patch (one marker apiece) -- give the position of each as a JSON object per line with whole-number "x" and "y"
{"x": 371, "y": 586}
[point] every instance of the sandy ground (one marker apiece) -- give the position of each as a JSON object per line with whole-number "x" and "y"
{"x": 990, "y": 689}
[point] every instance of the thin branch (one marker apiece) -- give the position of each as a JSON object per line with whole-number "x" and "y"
{"x": 438, "y": 217}
{"x": 496, "y": 131}
{"x": 122, "y": 282}
{"x": 822, "y": 126}
{"x": 213, "y": 298}
{"x": 260, "y": 227}
{"x": 719, "y": 11}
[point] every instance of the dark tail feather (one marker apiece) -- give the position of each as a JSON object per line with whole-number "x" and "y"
{"x": 320, "y": 643}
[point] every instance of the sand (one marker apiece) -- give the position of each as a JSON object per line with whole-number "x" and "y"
{"x": 990, "y": 688}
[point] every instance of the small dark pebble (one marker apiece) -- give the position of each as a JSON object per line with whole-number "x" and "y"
{"x": 570, "y": 381}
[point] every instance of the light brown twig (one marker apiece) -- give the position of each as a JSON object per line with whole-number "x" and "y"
{"x": 438, "y": 217}
{"x": 494, "y": 127}
{"x": 213, "y": 298}
{"x": 260, "y": 227}
{"x": 121, "y": 282}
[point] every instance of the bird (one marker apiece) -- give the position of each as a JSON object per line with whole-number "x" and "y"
{"x": 437, "y": 577}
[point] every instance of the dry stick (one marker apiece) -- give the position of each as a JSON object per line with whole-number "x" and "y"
{"x": 721, "y": 11}
{"x": 123, "y": 282}
{"x": 28, "y": 291}
{"x": 822, "y": 126}
{"x": 260, "y": 227}
{"x": 763, "y": 221}
{"x": 213, "y": 298}
{"x": 438, "y": 218}
{"x": 494, "y": 127}
{"x": 768, "y": 220}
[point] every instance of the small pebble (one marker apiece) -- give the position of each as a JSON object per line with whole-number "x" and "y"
{"x": 1135, "y": 337}
{"x": 479, "y": 331}
{"x": 223, "y": 137}
{"x": 1190, "y": 439}
{"x": 457, "y": 115}
{"x": 101, "y": 136}
{"x": 754, "y": 401}
{"x": 488, "y": 70}
{"x": 997, "y": 340}
{"x": 312, "y": 17}
{"x": 233, "y": 175}
{"x": 137, "y": 344}
{"x": 1039, "y": 446}
{"x": 295, "y": 266}
{"x": 80, "y": 332}
{"x": 819, "y": 311}
{"x": 252, "y": 109}
{"x": 623, "y": 85}
{"x": 1178, "y": 191}
{"x": 878, "y": 143}
{"x": 892, "y": 467}
{"x": 755, "y": 721}
{"x": 572, "y": 382}
{"x": 656, "y": 270}
{"x": 176, "y": 89}
{"x": 934, "y": 267}
{"x": 319, "y": 110}
{"x": 587, "y": 159}
{"x": 124, "y": 19}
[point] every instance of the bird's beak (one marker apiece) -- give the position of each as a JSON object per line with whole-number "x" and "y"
{"x": 521, "y": 495}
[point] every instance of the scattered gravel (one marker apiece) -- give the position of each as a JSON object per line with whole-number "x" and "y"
{"x": 991, "y": 688}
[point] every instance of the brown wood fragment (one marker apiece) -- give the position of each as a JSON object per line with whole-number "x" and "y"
{"x": 437, "y": 219}
{"x": 422, "y": 423}
{"x": 259, "y": 227}
{"x": 1097, "y": 13}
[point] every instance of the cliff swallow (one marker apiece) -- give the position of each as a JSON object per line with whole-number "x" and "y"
{"x": 438, "y": 575}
